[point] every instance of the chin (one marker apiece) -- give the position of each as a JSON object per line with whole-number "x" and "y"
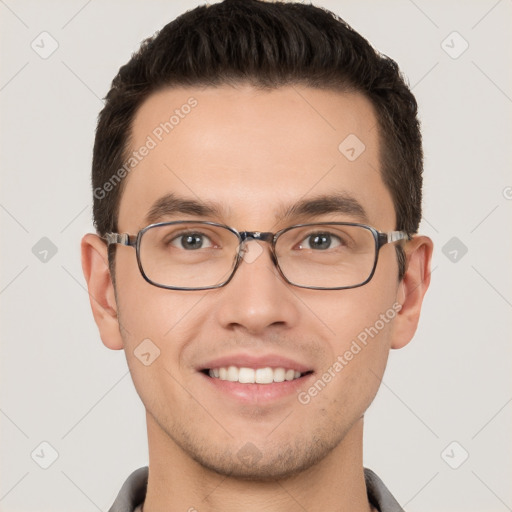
{"x": 270, "y": 463}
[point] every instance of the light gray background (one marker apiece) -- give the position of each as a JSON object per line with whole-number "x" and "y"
{"x": 62, "y": 386}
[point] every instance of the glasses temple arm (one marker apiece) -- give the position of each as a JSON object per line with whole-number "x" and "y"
{"x": 120, "y": 238}
{"x": 393, "y": 236}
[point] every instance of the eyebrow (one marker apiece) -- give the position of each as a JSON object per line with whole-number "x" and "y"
{"x": 339, "y": 203}
{"x": 323, "y": 205}
{"x": 170, "y": 205}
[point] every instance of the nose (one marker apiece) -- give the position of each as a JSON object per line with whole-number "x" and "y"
{"x": 257, "y": 298}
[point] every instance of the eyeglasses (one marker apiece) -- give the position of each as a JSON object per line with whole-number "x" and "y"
{"x": 201, "y": 255}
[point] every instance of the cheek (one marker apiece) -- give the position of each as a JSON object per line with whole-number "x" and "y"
{"x": 357, "y": 355}
{"x": 348, "y": 315}
{"x": 358, "y": 326}
{"x": 163, "y": 316}
{"x": 156, "y": 326}
{"x": 153, "y": 330}
{"x": 146, "y": 311}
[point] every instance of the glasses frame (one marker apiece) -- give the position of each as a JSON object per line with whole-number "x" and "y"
{"x": 134, "y": 241}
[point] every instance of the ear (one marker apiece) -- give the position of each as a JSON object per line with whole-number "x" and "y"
{"x": 101, "y": 290}
{"x": 412, "y": 289}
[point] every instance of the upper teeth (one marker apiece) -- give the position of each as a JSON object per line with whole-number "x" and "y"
{"x": 253, "y": 376}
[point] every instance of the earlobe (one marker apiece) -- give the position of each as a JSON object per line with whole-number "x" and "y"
{"x": 101, "y": 290}
{"x": 412, "y": 289}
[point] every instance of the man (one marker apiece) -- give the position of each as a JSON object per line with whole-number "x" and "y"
{"x": 257, "y": 193}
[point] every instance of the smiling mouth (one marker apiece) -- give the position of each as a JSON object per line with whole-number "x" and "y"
{"x": 244, "y": 375}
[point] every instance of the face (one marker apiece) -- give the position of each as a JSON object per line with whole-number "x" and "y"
{"x": 253, "y": 155}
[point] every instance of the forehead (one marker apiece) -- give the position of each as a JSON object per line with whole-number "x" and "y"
{"x": 253, "y": 153}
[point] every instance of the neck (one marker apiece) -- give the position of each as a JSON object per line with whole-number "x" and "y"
{"x": 178, "y": 483}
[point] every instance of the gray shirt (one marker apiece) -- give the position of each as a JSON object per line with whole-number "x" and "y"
{"x": 133, "y": 492}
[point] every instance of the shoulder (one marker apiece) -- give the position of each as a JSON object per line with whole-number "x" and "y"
{"x": 132, "y": 492}
{"x": 379, "y": 495}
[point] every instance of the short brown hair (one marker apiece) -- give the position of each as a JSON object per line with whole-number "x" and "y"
{"x": 267, "y": 45}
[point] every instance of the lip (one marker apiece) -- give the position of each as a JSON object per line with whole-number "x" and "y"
{"x": 256, "y": 393}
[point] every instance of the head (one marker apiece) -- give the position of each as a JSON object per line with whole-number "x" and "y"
{"x": 243, "y": 108}
{"x": 290, "y": 44}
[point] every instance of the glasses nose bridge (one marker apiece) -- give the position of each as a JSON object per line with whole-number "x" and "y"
{"x": 263, "y": 236}
{"x": 257, "y": 236}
